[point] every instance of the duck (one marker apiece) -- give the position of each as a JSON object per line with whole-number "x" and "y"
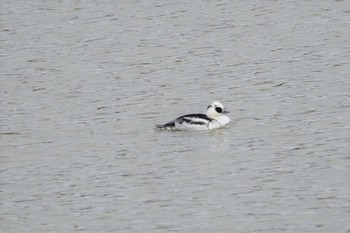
{"x": 215, "y": 117}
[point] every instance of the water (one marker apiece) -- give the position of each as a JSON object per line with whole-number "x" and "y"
{"x": 84, "y": 82}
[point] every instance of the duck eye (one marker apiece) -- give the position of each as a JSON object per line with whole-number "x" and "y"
{"x": 218, "y": 109}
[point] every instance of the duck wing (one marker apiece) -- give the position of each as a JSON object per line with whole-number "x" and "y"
{"x": 196, "y": 119}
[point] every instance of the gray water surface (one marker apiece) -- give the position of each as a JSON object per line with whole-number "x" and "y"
{"x": 84, "y": 82}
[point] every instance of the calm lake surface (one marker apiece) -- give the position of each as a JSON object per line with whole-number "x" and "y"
{"x": 84, "y": 82}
